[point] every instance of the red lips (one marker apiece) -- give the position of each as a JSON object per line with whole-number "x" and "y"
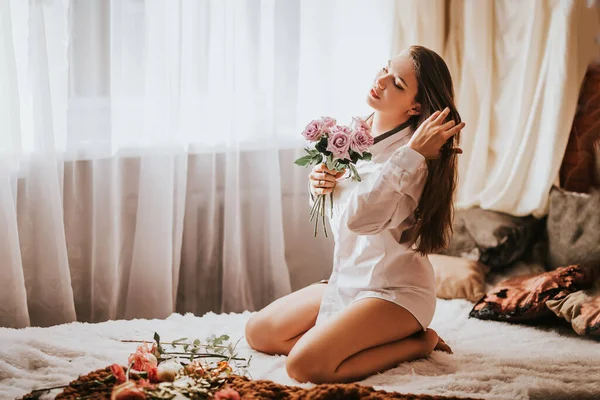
{"x": 374, "y": 93}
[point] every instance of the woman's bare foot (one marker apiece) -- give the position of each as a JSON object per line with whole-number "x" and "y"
{"x": 442, "y": 346}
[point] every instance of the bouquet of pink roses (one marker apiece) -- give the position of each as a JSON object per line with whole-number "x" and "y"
{"x": 339, "y": 147}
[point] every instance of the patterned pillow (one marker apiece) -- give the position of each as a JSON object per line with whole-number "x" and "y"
{"x": 573, "y": 228}
{"x": 577, "y": 169}
{"x": 523, "y": 298}
{"x": 495, "y": 239}
{"x": 581, "y": 309}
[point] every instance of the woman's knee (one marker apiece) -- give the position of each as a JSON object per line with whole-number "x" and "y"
{"x": 303, "y": 367}
{"x": 263, "y": 332}
{"x": 256, "y": 331}
{"x": 430, "y": 340}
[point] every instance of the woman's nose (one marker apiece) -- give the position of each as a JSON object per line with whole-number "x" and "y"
{"x": 380, "y": 82}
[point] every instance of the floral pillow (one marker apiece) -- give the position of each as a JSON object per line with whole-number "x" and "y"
{"x": 581, "y": 309}
{"x": 523, "y": 298}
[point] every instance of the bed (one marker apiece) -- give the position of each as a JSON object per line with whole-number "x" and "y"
{"x": 491, "y": 360}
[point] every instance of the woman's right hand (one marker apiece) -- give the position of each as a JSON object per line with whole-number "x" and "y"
{"x": 431, "y": 135}
{"x": 323, "y": 180}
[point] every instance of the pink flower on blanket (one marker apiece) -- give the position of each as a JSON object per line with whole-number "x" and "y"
{"x": 143, "y": 359}
{"x": 118, "y": 373}
{"x": 128, "y": 391}
{"x": 227, "y": 394}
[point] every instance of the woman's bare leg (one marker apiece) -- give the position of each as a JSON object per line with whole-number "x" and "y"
{"x": 370, "y": 336}
{"x": 276, "y": 328}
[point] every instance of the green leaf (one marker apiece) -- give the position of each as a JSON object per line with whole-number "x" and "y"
{"x": 176, "y": 341}
{"x": 321, "y": 146}
{"x": 355, "y": 172}
{"x": 367, "y": 156}
{"x": 197, "y": 342}
{"x": 157, "y": 338}
{"x": 303, "y": 161}
{"x": 330, "y": 163}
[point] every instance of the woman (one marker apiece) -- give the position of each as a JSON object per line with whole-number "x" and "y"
{"x": 375, "y": 309}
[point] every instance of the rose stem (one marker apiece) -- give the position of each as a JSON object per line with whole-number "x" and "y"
{"x": 314, "y": 208}
{"x": 323, "y": 216}
{"x": 204, "y": 355}
{"x": 172, "y": 343}
{"x": 317, "y": 219}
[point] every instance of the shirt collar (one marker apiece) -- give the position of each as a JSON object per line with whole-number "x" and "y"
{"x": 381, "y": 147}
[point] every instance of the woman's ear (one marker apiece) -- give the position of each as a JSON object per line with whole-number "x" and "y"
{"x": 415, "y": 109}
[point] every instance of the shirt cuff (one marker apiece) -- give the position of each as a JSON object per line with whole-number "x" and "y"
{"x": 407, "y": 159}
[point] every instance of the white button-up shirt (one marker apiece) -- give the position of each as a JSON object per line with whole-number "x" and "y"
{"x": 371, "y": 256}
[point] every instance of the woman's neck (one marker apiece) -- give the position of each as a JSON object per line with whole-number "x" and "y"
{"x": 382, "y": 123}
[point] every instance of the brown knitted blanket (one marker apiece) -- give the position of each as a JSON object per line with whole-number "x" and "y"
{"x": 98, "y": 385}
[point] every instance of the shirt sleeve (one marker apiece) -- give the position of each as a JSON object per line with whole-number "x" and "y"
{"x": 389, "y": 195}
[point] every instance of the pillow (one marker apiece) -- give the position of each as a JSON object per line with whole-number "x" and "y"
{"x": 597, "y": 162}
{"x": 523, "y": 298}
{"x": 458, "y": 278}
{"x": 520, "y": 268}
{"x": 577, "y": 168}
{"x": 462, "y": 243}
{"x": 581, "y": 309}
{"x": 573, "y": 228}
{"x": 500, "y": 239}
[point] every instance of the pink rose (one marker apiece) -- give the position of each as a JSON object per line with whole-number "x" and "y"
{"x": 328, "y": 123}
{"x": 360, "y": 123}
{"x": 313, "y": 131}
{"x": 227, "y": 394}
{"x": 153, "y": 375}
{"x": 118, "y": 373}
{"x": 339, "y": 142}
{"x": 127, "y": 391}
{"x": 143, "y": 359}
{"x": 361, "y": 140}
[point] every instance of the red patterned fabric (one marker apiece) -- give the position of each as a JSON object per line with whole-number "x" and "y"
{"x": 577, "y": 169}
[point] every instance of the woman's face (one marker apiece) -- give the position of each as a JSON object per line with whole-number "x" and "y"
{"x": 395, "y": 88}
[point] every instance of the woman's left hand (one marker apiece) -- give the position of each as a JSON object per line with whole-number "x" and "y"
{"x": 433, "y": 133}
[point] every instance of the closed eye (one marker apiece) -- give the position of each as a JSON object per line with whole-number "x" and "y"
{"x": 385, "y": 69}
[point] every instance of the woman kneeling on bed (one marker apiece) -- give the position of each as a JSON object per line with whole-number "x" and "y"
{"x": 374, "y": 311}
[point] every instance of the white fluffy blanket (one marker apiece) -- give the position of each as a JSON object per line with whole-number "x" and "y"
{"x": 491, "y": 360}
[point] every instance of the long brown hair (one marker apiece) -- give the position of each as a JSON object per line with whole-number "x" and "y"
{"x": 432, "y": 226}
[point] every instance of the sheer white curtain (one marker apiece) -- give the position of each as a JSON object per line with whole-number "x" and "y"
{"x": 147, "y": 149}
